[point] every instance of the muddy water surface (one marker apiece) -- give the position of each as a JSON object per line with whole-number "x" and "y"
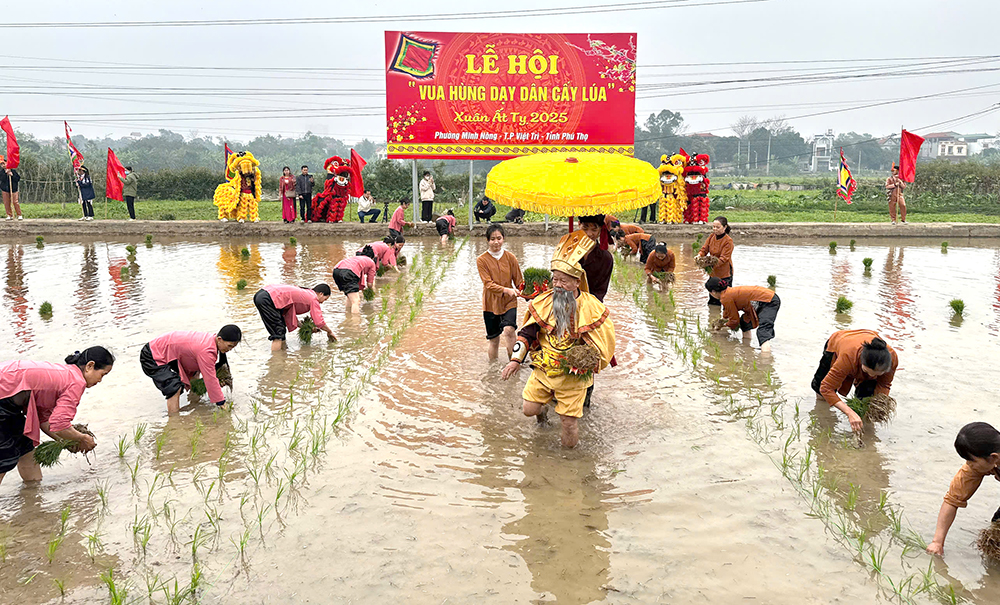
{"x": 434, "y": 488}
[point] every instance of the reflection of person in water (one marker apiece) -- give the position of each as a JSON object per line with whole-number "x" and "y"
{"x": 894, "y": 312}
{"x": 978, "y": 444}
{"x": 854, "y": 358}
{"x": 86, "y": 291}
{"x": 16, "y": 294}
{"x": 41, "y": 397}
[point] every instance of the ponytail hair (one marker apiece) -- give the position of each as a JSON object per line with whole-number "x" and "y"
{"x": 724, "y": 222}
{"x": 101, "y": 357}
{"x": 876, "y": 355}
{"x": 366, "y": 251}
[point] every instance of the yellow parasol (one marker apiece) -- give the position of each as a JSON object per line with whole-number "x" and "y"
{"x": 574, "y": 184}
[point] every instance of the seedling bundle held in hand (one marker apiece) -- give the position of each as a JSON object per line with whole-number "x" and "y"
{"x": 581, "y": 360}
{"x": 988, "y": 542}
{"x": 707, "y": 262}
{"x": 368, "y": 293}
{"x": 536, "y": 281}
{"x": 306, "y": 330}
{"x": 222, "y": 373}
{"x": 877, "y": 408}
{"x": 47, "y": 453}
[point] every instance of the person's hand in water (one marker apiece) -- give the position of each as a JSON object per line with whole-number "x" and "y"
{"x": 509, "y": 370}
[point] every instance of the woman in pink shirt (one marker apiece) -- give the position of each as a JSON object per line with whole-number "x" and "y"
{"x": 37, "y": 397}
{"x": 387, "y": 250}
{"x": 398, "y": 220}
{"x": 445, "y": 225}
{"x": 280, "y": 305}
{"x": 354, "y": 274}
{"x": 176, "y": 358}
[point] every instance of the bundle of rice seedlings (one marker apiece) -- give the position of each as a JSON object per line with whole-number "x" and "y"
{"x": 944, "y": 246}
{"x": 47, "y": 453}
{"x": 245, "y": 252}
{"x": 149, "y": 238}
{"x": 401, "y": 261}
{"x": 772, "y": 281}
{"x": 292, "y": 240}
{"x": 666, "y": 277}
{"x": 581, "y": 360}
{"x": 877, "y": 408}
{"x": 958, "y": 306}
{"x": 868, "y": 263}
{"x": 707, "y": 262}
{"x": 130, "y": 249}
{"x": 853, "y": 241}
{"x": 382, "y": 270}
{"x": 241, "y": 284}
{"x": 224, "y": 375}
{"x": 536, "y": 275}
{"x": 306, "y": 329}
{"x": 368, "y": 294}
{"x": 124, "y": 273}
{"x": 39, "y": 242}
{"x": 720, "y": 324}
{"x": 833, "y": 247}
{"x": 988, "y": 542}
{"x": 843, "y": 304}
{"x": 45, "y": 310}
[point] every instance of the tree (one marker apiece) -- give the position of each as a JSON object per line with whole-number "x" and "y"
{"x": 744, "y": 126}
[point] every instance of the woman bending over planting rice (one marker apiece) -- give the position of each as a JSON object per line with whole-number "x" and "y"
{"x": 176, "y": 358}
{"x": 747, "y": 308}
{"x": 979, "y": 444}
{"x": 858, "y": 358}
{"x": 502, "y": 280}
{"x": 720, "y": 246}
{"x": 660, "y": 262}
{"x": 280, "y": 305}
{"x": 37, "y": 397}
{"x": 354, "y": 274}
{"x": 387, "y": 250}
{"x": 445, "y": 225}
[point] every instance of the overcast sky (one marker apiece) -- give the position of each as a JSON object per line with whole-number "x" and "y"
{"x": 868, "y": 35}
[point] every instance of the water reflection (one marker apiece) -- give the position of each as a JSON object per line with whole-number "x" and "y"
{"x": 15, "y": 297}
{"x": 87, "y": 289}
{"x": 896, "y": 308}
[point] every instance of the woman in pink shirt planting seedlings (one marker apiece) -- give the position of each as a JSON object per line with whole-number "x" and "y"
{"x": 176, "y": 358}
{"x": 445, "y": 225}
{"x": 354, "y": 274}
{"x": 280, "y": 305}
{"x": 387, "y": 250}
{"x": 37, "y": 397}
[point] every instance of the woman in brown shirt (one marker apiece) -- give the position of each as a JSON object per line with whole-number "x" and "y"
{"x": 858, "y": 358}
{"x": 720, "y": 245}
{"x": 758, "y": 306}
{"x": 660, "y": 261}
{"x": 641, "y": 243}
{"x": 502, "y": 280}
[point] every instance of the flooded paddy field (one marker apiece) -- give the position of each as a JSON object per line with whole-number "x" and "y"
{"x": 395, "y": 465}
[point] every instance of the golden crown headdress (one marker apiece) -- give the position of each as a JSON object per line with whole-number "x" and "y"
{"x": 570, "y": 251}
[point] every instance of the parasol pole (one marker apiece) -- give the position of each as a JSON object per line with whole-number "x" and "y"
{"x": 546, "y": 222}
{"x": 571, "y": 223}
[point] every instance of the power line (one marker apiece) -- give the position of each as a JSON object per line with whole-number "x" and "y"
{"x": 300, "y": 21}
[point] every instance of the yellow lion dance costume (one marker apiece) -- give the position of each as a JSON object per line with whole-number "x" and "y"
{"x": 674, "y": 196}
{"x": 239, "y": 198}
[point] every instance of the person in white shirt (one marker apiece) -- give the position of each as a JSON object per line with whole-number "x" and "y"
{"x": 427, "y": 197}
{"x": 365, "y": 207}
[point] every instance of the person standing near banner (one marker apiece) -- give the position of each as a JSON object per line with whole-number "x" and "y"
{"x": 304, "y": 191}
{"x": 894, "y": 186}
{"x": 426, "y": 197}
{"x": 86, "y": 187}
{"x": 130, "y": 189}
{"x": 9, "y": 179}
{"x": 286, "y": 190}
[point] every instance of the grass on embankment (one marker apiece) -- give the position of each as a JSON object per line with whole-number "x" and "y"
{"x": 737, "y": 206}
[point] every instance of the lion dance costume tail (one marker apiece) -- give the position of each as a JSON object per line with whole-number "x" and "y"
{"x": 239, "y": 198}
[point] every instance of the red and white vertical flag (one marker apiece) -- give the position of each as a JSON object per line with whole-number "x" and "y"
{"x": 115, "y": 179}
{"x": 74, "y": 154}
{"x": 13, "y": 150}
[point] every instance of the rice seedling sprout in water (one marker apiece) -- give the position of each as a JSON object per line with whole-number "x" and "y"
{"x": 843, "y": 304}
{"x": 130, "y": 249}
{"x": 958, "y": 306}
{"x": 853, "y": 242}
{"x": 124, "y": 272}
{"x": 241, "y": 284}
{"x": 944, "y": 246}
{"x": 40, "y": 240}
{"x": 245, "y": 253}
{"x": 292, "y": 240}
{"x": 772, "y": 281}
{"x": 833, "y": 247}
{"x": 867, "y": 261}
{"x": 45, "y": 310}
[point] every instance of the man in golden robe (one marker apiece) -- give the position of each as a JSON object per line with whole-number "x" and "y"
{"x": 569, "y": 337}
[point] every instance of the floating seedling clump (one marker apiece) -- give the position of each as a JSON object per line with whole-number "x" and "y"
{"x": 149, "y": 238}
{"x": 39, "y": 242}
{"x": 877, "y": 408}
{"x": 988, "y": 542}
{"x": 245, "y": 252}
{"x": 130, "y": 249}
{"x": 843, "y": 304}
{"x": 124, "y": 272}
{"x": 707, "y": 262}
{"x": 868, "y": 264}
{"x": 853, "y": 242}
{"x": 241, "y": 284}
{"x": 47, "y": 453}
{"x": 772, "y": 281}
{"x": 292, "y": 240}
{"x": 833, "y": 247}
{"x": 958, "y": 306}
{"x": 944, "y": 246}
{"x": 581, "y": 360}
{"x": 306, "y": 330}
{"x": 45, "y": 310}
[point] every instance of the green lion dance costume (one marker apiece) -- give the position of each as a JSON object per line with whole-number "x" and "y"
{"x": 239, "y": 198}
{"x": 674, "y": 196}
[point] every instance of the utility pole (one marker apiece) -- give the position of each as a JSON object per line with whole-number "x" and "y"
{"x": 769, "y": 153}
{"x": 748, "y": 158}
{"x": 739, "y": 151}
{"x": 859, "y": 159}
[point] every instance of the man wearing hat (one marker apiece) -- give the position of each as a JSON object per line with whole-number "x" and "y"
{"x": 894, "y": 186}
{"x": 559, "y": 326}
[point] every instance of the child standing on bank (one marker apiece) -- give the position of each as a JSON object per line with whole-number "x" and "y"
{"x": 979, "y": 444}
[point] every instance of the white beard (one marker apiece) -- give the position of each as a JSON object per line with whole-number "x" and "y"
{"x": 564, "y": 309}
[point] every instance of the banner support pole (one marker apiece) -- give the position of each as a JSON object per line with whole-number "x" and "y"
{"x": 471, "y": 203}
{"x": 416, "y": 201}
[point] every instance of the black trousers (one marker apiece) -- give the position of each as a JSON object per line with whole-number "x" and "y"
{"x": 652, "y": 208}
{"x": 766, "y": 314}
{"x": 130, "y": 204}
{"x": 862, "y": 390}
{"x": 484, "y": 215}
{"x": 645, "y": 248}
{"x": 88, "y": 208}
{"x": 426, "y": 210}
{"x": 304, "y": 207}
{"x": 270, "y": 315}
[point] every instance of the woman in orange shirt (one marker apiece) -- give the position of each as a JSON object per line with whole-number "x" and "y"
{"x": 720, "y": 245}
{"x": 747, "y": 308}
{"x": 502, "y": 280}
{"x": 854, "y": 358}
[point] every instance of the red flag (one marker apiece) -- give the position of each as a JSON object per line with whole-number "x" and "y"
{"x": 115, "y": 178}
{"x": 13, "y": 150}
{"x": 225, "y": 162}
{"x": 358, "y": 164}
{"x": 74, "y": 154}
{"x": 909, "y": 147}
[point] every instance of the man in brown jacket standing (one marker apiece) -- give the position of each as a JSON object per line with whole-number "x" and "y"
{"x": 894, "y": 186}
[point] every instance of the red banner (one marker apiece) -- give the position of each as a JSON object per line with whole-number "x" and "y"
{"x": 909, "y": 147}
{"x": 115, "y": 179}
{"x": 13, "y": 150}
{"x": 497, "y": 96}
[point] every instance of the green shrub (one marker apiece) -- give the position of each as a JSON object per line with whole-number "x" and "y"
{"x": 167, "y": 217}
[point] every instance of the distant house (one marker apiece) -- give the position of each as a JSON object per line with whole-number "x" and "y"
{"x": 822, "y": 153}
{"x": 944, "y": 145}
{"x": 981, "y": 141}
